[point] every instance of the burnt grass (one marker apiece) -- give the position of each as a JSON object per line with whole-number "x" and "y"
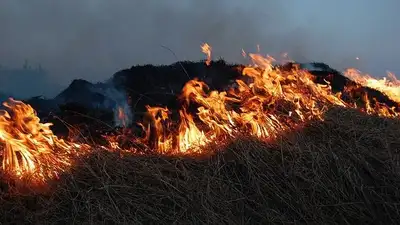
{"x": 344, "y": 170}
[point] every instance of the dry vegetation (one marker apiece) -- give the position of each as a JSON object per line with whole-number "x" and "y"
{"x": 344, "y": 170}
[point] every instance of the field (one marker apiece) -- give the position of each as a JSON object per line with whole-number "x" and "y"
{"x": 344, "y": 170}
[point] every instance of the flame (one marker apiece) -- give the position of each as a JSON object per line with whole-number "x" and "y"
{"x": 122, "y": 117}
{"x": 30, "y": 147}
{"x": 190, "y": 136}
{"x": 389, "y": 85}
{"x": 244, "y": 53}
{"x": 206, "y": 49}
{"x": 268, "y": 102}
{"x": 157, "y": 126}
{"x": 265, "y": 102}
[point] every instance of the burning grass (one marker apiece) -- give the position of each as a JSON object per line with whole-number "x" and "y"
{"x": 306, "y": 160}
{"x": 29, "y": 147}
{"x": 267, "y": 101}
{"x": 344, "y": 169}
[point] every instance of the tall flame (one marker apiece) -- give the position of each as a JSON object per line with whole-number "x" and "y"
{"x": 206, "y": 49}
{"x": 30, "y": 147}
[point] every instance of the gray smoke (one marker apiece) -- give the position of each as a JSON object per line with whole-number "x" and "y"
{"x": 121, "y": 101}
{"x": 92, "y": 39}
{"x": 115, "y": 100}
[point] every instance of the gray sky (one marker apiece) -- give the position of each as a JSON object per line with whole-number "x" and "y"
{"x": 92, "y": 39}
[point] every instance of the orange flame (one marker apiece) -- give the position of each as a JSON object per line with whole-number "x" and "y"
{"x": 122, "y": 117}
{"x": 30, "y": 146}
{"x": 272, "y": 102}
{"x": 266, "y": 101}
{"x": 206, "y": 49}
{"x": 389, "y": 85}
{"x": 190, "y": 136}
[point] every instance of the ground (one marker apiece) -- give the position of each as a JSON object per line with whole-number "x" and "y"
{"x": 344, "y": 170}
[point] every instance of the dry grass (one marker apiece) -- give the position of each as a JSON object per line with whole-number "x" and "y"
{"x": 342, "y": 171}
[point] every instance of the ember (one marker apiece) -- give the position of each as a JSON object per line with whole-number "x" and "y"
{"x": 266, "y": 101}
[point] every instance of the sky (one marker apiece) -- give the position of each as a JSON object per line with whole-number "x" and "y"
{"x": 93, "y": 39}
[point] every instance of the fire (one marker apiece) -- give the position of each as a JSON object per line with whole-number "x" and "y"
{"x": 244, "y": 53}
{"x": 30, "y": 147}
{"x": 389, "y": 85}
{"x": 190, "y": 136}
{"x": 122, "y": 117}
{"x": 158, "y": 120}
{"x": 265, "y": 102}
{"x": 273, "y": 101}
{"x": 206, "y": 49}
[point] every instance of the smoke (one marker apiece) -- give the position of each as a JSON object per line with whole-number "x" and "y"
{"x": 115, "y": 100}
{"x": 122, "y": 111}
{"x": 92, "y": 39}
